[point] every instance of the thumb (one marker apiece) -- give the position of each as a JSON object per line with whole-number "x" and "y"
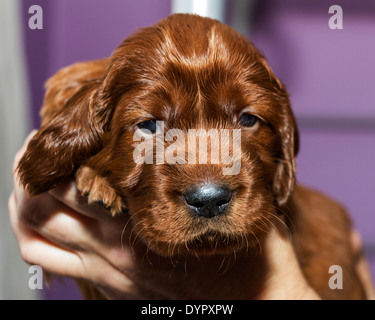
{"x": 285, "y": 280}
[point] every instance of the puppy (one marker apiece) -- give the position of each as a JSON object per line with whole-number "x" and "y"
{"x": 188, "y": 72}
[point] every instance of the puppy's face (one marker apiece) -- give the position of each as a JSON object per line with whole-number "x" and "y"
{"x": 208, "y": 79}
{"x": 163, "y": 87}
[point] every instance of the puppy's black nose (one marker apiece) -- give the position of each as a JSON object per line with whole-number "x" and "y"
{"x": 208, "y": 200}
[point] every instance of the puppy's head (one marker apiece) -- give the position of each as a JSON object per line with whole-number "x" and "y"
{"x": 199, "y": 105}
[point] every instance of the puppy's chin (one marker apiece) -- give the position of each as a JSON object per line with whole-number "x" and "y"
{"x": 207, "y": 244}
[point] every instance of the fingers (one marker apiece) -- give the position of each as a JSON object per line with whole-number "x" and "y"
{"x": 286, "y": 280}
{"x": 54, "y": 221}
{"x": 63, "y": 244}
{"x": 64, "y": 226}
{"x": 364, "y": 274}
{"x": 36, "y": 250}
{"x": 356, "y": 242}
{"x": 68, "y": 194}
{"x": 363, "y": 269}
{"x": 281, "y": 256}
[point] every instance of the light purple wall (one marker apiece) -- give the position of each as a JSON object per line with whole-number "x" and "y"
{"x": 329, "y": 74}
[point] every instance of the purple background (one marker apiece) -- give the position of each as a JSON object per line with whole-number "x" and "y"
{"x": 328, "y": 73}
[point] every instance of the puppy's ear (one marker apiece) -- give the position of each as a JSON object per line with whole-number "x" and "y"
{"x": 75, "y": 116}
{"x": 285, "y": 177}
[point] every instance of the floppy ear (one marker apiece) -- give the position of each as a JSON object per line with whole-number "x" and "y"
{"x": 285, "y": 177}
{"x": 75, "y": 116}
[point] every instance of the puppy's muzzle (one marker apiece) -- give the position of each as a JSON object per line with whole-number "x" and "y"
{"x": 208, "y": 200}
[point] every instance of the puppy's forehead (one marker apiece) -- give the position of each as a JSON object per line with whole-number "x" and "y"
{"x": 207, "y": 45}
{"x": 189, "y": 41}
{"x": 191, "y": 66}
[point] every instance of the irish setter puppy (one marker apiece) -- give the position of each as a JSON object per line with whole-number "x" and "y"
{"x": 185, "y": 73}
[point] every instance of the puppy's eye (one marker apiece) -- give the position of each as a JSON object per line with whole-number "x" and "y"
{"x": 149, "y": 125}
{"x": 248, "y": 120}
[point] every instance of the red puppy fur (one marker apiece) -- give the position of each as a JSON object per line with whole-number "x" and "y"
{"x": 191, "y": 73}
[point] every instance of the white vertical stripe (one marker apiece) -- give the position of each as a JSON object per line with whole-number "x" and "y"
{"x": 241, "y": 14}
{"x": 13, "y": 126}
{"x": 206, "y": 8}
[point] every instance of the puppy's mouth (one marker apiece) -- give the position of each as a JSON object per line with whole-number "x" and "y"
{"x": 207, "y": 243}
{"x": 212, "y": 242}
